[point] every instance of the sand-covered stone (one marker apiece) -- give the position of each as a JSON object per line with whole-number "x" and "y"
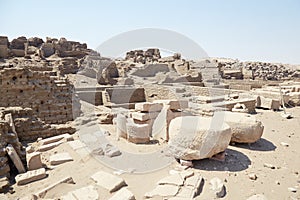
{"x": 194, "y": 138}
{"x": 60, "y": 158}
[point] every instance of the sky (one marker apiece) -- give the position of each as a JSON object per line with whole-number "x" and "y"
{"x": 248, "y": 30}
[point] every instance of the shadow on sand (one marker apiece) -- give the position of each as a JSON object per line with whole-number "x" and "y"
{"x": 234, "y": 161}
{"x": 260, "y": 145}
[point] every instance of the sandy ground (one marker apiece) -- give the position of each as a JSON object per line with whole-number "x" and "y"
{"x": 154, "y": 164}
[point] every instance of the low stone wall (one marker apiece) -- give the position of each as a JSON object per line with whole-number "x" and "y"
{"x": 50, "y": 97}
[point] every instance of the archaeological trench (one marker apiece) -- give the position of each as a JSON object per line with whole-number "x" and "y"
{"x": 76, "y": 125}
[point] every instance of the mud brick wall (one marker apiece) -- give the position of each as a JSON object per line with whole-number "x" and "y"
{"x": 49, "y": 97}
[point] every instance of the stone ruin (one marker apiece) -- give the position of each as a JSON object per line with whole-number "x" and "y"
{"x": 143, "y": 99}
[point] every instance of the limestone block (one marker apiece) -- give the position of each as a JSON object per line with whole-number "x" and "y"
{"x": 60, "y": 158}
{"x": 148, "y": 107}
{"x": 123, "y": 194}
{"x": 15, "y": 158}
{"x": 108, "y": 181}
{"x": 174, "y": 104}
{"x": 30, "y": 176}
{"x": 245, "y": 128}
{"x": 194, "y": 137}
{"x": 138, "y": 133}
{"x": 34, "y": 161}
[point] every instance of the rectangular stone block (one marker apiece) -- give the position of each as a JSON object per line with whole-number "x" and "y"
{"x": 174, "y": 104}
{"x": 148, "y": 107}
{"x": 138, "y": 133}
{"x": 108, "y": 181}
{"x": 60, "y": 158}
{"x": 144, "y": 116}
{"x": 30, "y": 176}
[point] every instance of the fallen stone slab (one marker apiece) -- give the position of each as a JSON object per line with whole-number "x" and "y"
{"x": 49, "y": 146}
{"x": 85, "y": 193}
{"x": 195, "y": 138}
{"x": 163, "y": 191}
{"x": 140, "y": 116}
{"x": 123, "y": 194}
{"x": 15, "y": 158}
{"x": 57, "y": 138}
{"x": 34, "y": 161}
{"x": 30, "y": 176}
{"x": 186, "y": 193}
{"x": 272, "y": 104}
{"x": 42, "y": 193}
{"x": 108, "y": 181}
{"x": 60, "y": 158}
{"x": 76, "y": 144}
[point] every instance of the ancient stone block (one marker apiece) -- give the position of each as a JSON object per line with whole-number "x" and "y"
{"x": 138, "y": 133}
{"x": 108, "y": 181}
{"x": 60, "y": 158}
{"x": 31, "y": 176}
{"x": 194, "y": 138}
{"x": 174, "y": 104}
{"x": 148, "y": 107}
{"x": 34, "y": 161}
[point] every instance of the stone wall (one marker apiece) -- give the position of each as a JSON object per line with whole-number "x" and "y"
{"x": 49, "y": 97}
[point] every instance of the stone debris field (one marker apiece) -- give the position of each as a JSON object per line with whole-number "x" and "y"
{"x": 78, "y": 126}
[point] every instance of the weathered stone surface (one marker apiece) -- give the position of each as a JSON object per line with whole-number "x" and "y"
{"x": 111, "y": 151}
{"x": 49, "y": 146}
{"x": 144, "y": 116}
{"x": 121, "y": 126}
{"x": 175, "y": 179}
{"x": 148, "y": 107}
{"x": 30, "y": 176}
{"x": 85, "y": 193}
{"x": 60, "y": 158}
{"x": 294, "y": 98}
{"x": 107, "y": 72}
{"x": 244, "y": 127}
{"x": 15, "y": 158}
{"x": 163, "y": 191}
{"x": 174, "y": 104}
{"x": 76, "y": 144}
{"x": 268, "y": 103}
{"x": 57, "y": 138}
{"x": 108, "y": 181}
{"x": 218, "y": 187}
{"x": 123, "y": 194}
{"x": 150, "y": 70}
{"x": 194, "y": 138}
{"x": 42, "y": 193}
{"x": 34, "y": 161}
{"x": 138, "y": 133}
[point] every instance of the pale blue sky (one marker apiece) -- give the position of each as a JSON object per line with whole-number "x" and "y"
{"x": 262, "y": 30}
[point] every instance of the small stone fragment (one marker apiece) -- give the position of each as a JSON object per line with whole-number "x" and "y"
{"x": 218, "y": 187}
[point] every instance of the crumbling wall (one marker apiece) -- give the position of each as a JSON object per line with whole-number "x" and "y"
{"x": 49, "y": 97}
